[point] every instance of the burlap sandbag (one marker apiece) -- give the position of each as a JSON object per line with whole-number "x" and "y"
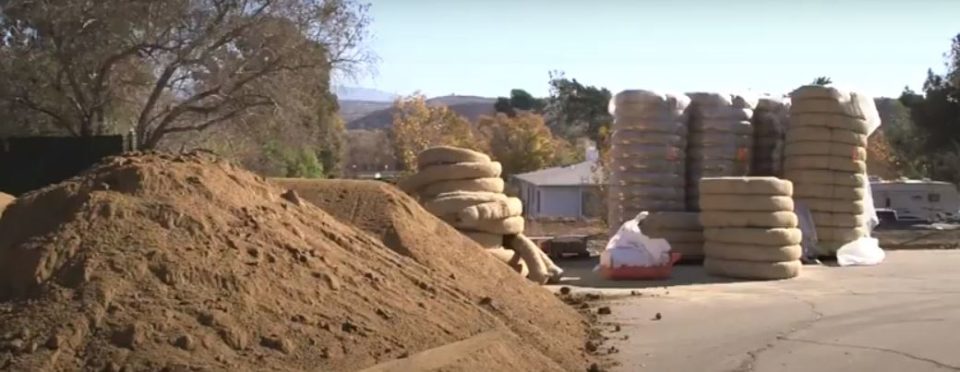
{"x": 848, "y": 220}
{"x": 638, "y": 137}
{"x": 752, "y": 270}
{"x": 675, "y": 236}
{"x": 835, "y": 120}
{"x": 661, "y": 220}
{"x": 816, "y": 91}
{"x": 646, "y": 152}
{"x": 745, "y": 186}
{"x": 554, "y": 271}
{"x": 622, "y": 166}
{"x": 745, "y": 203}
{"x": 826, "y": 177}
{"x": 834, "y": 205}
{"x": 749, "y": 252}
{"x": 489, "y": 184}
{"x": 5, "y": 199}
{"x": 824, "y": 134}
{"x": 441, "y": 155}
{"x": 725, "y": 152}
{"x": 451, "y": 203}
{"x": 834, "y": 163}
{"x": 512, "y": 259}
{"x": 718, "y": 138}
{"x": 843, "y": 150}
{"x": 748, "y": 219}
{"x": 485, "y": 240}
{"x": 492, "y": 210}
{"x": 804, "y": 190}
{"x": 440, "y": 173}
{"x": 688, "y": 250}
{"x": 506, "y": 226}
{"x": 755, "y": 236}
{"x": 840, "y": 234}
{"x": 530, "y": 253}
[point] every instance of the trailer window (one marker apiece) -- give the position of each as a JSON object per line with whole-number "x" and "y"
{"x": 933, "y": 198}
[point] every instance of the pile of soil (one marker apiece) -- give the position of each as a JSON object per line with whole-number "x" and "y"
{"x": 397, "y": 220}
{"x": 185, "y": 262}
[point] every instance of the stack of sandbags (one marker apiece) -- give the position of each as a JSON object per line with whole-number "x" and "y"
{"x": 770, "y": 120}
{"x": 647, "y": 155}
{"x": 719, "y": 139}
{"x": 750, "y": 229}
{"x": 825, "y": 157}
{"x": 464, "y": 188}
{"x": 681, "y": 229}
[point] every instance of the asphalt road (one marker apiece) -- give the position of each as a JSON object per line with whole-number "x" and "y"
{"x": 903, "y": 315}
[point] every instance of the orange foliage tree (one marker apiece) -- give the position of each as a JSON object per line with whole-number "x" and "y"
{"x": 417, "y": 126}
{"x": 524, "y": 143}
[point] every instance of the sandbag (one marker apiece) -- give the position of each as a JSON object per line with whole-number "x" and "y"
{"x": 745, "y": 203}
{"x": 554, "y": 271}
{"x": 816, "y": 91}
{"x": 439, "y": 173}
{"x": 719, "y": 138}
{"x": 672, "y": 221}
{"x": 826, "y": 177}
{"x": 666, "y": 125}
{"x": 746, "y": 186}
{"x": 646, "y": 99}
{"x": 826, "y": 114}
{"x": 834, "y": 205}
{"x": 749, "y": 252}
{"x": 716, "y": 152}
{"x": 512, "y": 259}
{"x": 840, "y": 234}
{"x": 506, "y": 226}
{"x": 646, "y": 152}
{"x": 5, "y": 200}
{"x": 805, "y": 190}
{"x": 748, "y": 219}
{"x": 451, "y": 203}
{"x": 848, "y": 220}
{"x": 755, "y": 236}
{"x": 490, "y": 184}
{"x": 639, "y": 137}
{"x": 825, "y": 134}
{"x": 688, "y": 250}
{"x": 624, "y": 166}
{"x": 834, "y": 163}
{"x": 752, "y": 270}
{"x": 529, "y": 252}
{"x": 675, "y": 236}
{"x": 442, "y": 155}
{"x": 843, "y": 150}
{"x": 485, "y": 240}
{"x": 492, "y": 210}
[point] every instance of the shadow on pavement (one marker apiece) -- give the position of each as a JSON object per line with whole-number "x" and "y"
{"x": 579, "y": 273}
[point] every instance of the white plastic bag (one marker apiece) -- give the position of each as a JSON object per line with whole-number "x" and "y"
{"x": 630, "y": 247}
{"x": 861, "y": 252}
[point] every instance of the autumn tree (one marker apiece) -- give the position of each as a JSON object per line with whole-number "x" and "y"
{"x": 524, "y": 143}
{"x": 167, "y": 67}
{"x": 418, "y": 126}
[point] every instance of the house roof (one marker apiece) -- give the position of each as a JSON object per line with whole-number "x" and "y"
{"x": 572, "y": 175}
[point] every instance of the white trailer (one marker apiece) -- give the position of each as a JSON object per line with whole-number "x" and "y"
{"x": 917, "y": 200}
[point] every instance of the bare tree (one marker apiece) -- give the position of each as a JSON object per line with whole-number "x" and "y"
{"x": 167, "y": 67}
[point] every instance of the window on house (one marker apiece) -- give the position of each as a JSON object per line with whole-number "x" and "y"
{"x": 933, "y": 198}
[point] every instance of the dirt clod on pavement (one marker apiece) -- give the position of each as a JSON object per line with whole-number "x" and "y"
{"x": 185, "y": 262}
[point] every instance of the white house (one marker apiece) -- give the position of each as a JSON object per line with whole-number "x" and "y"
{"x": 562, "y": 192}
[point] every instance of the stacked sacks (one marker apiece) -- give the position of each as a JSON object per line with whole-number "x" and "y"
{"x": 770, "y": 120}
{"x": 647, "y": 154}
{"x": 719, "y": 139}
{"x": 681, "y": 229}
{"x": 750, "y": 229}
{"x": 464, "y": 188}
{"x": 825, "y": 157}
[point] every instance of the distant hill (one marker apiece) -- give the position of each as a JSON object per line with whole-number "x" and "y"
{"x": 470, "y": 107}
{"x": 345, "y": 93}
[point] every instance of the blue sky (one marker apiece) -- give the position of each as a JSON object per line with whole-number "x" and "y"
{"x": 473, "y": 47}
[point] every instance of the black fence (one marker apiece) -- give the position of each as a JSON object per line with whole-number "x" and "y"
{"x": 30, "y": 163}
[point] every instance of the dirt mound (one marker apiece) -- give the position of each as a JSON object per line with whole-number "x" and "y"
{"x": 163, "y": 262}
{"x": 404, "y": 226}
{"x": 5, "y": 200}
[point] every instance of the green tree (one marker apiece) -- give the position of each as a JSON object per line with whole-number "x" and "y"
{"x": 519, "y": 100}
{"x": 822, "y": 80}
{"x": 575, "y": 110}
{"x": 936, "y": 115}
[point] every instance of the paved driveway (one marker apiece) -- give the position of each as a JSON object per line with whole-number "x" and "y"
{"x": 903, "y": 315}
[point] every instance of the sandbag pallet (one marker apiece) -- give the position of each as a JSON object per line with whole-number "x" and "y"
{"x": 647, "y": 155}
{"x": 464, "y": 188}
{"x": 770, "y": 120}
{"x": 750, "y": 229}
{"x": 825, "y": 157}
{"x": 719, "y": 139}
{"x": 681, "y": 229}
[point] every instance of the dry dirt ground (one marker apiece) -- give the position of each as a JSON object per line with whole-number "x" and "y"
{"x": 899, "y": 316}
